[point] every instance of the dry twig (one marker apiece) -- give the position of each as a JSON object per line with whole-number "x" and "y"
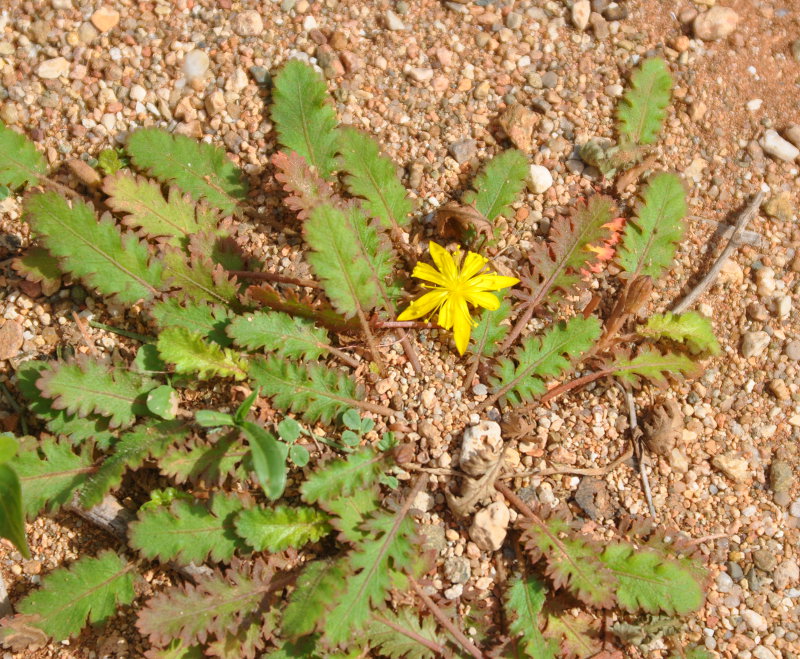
{"x": 636, "y": 438}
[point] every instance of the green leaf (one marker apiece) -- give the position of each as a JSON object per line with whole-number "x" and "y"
{"x": 499, "y": 184}
{"x": 110, "y": 161}
{"x": 116, "y": 264}
{"x": 524, "y": 600}
{"x": 303, "y": 117}
{"x": 188, "y": 532}
{"x": 147, "y": 440}
{"x": 642, "y": 110}
{"x": 244, "y": 407}
{"x": 317, "y": 587}
{"x": 545, "y": 356}
{"x": 210, "y": 464}
{"x": 652, "y": 365}
{"x": 213, "y": 419}
{"x": 350, "y": 511}
{"x": 299, "y": 455}
{"x": 649, "y": 241}
{"x": 690, "y": 328}
{"x": 289, "y": 430}
{"x": 576, "y": 635}
{"x": 209, "y": 320}
{"x": 12, "y": 520}
{"x": 349, "y": 259}
{"x": 397, "y": 645}
{"x": 176, "y": 217}
{"x": 373, "y": 177}
{"x": 315, "y": 391}
{"x": 163, "y": 402}
{"x": 280, "y": 333}
{"x": 86, "y": 386}
{"x": 279, "y": 528}
{"x": 490, "y": 332}
{"x": 91, "y": 588}
{"x": 306, "y": 188}
{"x": 148, "y": 361}
{"x": 649, "y": 582}
{"x": 322, "y": 315}
{"x": 202, "y": 170}
{"x": 38, "y": 265}
{"x": 20, "y": 162}
{"x": 341, "y": 478}
{"x": 8, "y": 447}
{"x": 269, "y": 459}
{"x": 190, "y": 353}
{"x": 177, "y": 650}
{"x": 198, "y": 279}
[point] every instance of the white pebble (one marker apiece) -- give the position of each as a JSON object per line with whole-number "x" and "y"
{"x": 539, "y": 179}
{"x": 195, "y": 64}
{"x": 778, "y": 147}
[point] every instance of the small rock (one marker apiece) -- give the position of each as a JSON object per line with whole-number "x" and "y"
{"x": 581, "y": 11}
{"x": 261, "y": 75}
{"x": 419, "y": 73}
{"x": 481, "y": 91}
{"x": 780, "y": 206}
{"x": 393, "y": 21}
{"x": 454, "y": 592}
{"x": 480, "y": 389}
{"x": 539, "y": 179}
{"x": 731, "y": 273}
{"x": 11, "y": 339}
{"x": 480, "y": 447}
{"x": 754, "y": 621}
{"x": 87, "y": 33}
{"x": 54, "y": 68}
{"x": 778, "y": 388}
{"x": 137, "y": 93}
{"x": 716, "y": 23}
{"x": 462, "y": 150}
{"x": 793, "y": 134}
{"x": 732, "y": 465}
{"x": 792, "y": 350}
{"x": 765, "y": 282}
{"x": 457, "y": 569}
{"x": 105, "y": 18}
{"x": 785, "y": 574}
{"x": 594, "y": 499}
{"x": 724, "y": 583}
{"x": 735, "y": 571}
{"x": 615, "y": 12}
{"x": 757, "y": 312}
{"x": 549, "y": 80}
{"x": 513, "y": 20}
{"x": 195, "y": 64}
{"x": 599, "y": 26}
{"x": 428, "y": 398}
{"x": 781, "y": 475}
{"x": 247, "y": 23}
{"x": 215, "y": 103}
{"x": 778, "y": 147}
{"x": 754, "y": 104}
{"x": 423, "y": 502}
{"x": 754, "y": 343}
{"x": 490, "y": 526}
{"x": 518, "y": 123}
{"x": 765, "y": 560}
{"x": 433, "y": 537}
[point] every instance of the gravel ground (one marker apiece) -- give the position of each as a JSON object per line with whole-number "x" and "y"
{"x": 430, "y": 79}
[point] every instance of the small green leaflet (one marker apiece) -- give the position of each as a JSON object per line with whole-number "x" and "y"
{"x": 690, "y": 328}
{"x": 499, "y": 184}
{"x": 20, "y": 162}
{"x": 190, "y": 353}
{"x": 642, "y": 109}
{"x": 653, "y": 365}
{"x": 524, "y": 600}
{"x": 269, "y": 458}
{"x": 281, "y": 333}
{"x": 281, "y": 527}
{"x": 341, "y": 478}
{"x": 209, "y": 320}
{"x": 38, "y": 265}
{"x": 12, "y": 521}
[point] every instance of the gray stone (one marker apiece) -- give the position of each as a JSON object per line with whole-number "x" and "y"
{"x": 549, "y": 80}
{"x": 393, "y": 21}
{"x": 787, "y": 573}
{"x": 433, "y": 537}
{"x": 764, "y": 559}
{"x": 736, "y": 573}
{"x": 776, "y": 146}
{"x": 780, "y": 475}
{"x": 513, "y": 20}
{"x": 247, "y": 23}
{"x": 724, "y": 583}
{"x": 716, "y": 23}
{"x": 792, "y": 350}
{"x": 462, "y": 150}
{"x": 457, "y": 569}
{"x": 754, "y": 621}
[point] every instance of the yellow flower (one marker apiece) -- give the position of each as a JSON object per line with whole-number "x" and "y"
{"x": 454, "y": 289}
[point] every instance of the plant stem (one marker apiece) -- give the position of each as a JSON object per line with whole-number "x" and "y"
{"x": 372, "y": 407}
{"x": 115, "y": 330}
{"x": 279, "y": 279}
{"x": 435, "y": 647}
{"x": 403, "y": 324}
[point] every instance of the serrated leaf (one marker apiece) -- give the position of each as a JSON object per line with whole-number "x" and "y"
{"x": 491, "y": 330}
{"x": 314, "y": 391}
{"x": 690, "y": 328}
{"x": 176, "y": 217}
{"x": 373, "y": 177}
{"x": 341, "y": 478}
{"x": 176, "y": 650}
{"x": 499, "y": 184}
{"x": 572, "y": 562}
{"x": 389, "y": 548}
{"x": 523, "y": 602}
{"x": 642, "y": 109}
{"x": 648, "y": 243}
{"x": 545, "y": 356}
{"x": 198, "y": 278}
{"x": 20, "y": 162}
{"x": 38, "y": 265}
{"x": 268, "y": 456}
{"x": 349, "y": 511}
{"x": 650, "y": 582}
{"x": 202, "y": 170}
{"x": 311, "y": 310}
{"x": 85, "y": 386}
{"x": 12, "y": 519}
{"x": 91, "y": 588}
{"x": 190, "y": 353}
{"x": 304, "y": 118}
{"x": 349, "y": 259}
{"x": 116, "y": 264}
{"x": 188, "y": 532}
{"x": 306, "y": 188}
{"x": 652, "y": 365}
{"x": 575, "y": 635}
{"x": 276, "y": 529}
{"x": 209, "y": 320}
{"x": 280, "y": 333}
{"x": 210, "y": 464}
{"x": 149, "y": 440}
{"x": 215, "y": 605}
{"x": 163, "y": 402}
{"x": 397, "y": 645}
{"x": 318, "y": 585}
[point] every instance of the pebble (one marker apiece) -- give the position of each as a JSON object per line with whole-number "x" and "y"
{"x": 780, "y": 206}
{"x": 754, "y": 343}
{"x": 765, "y": 560}
{"x": 247, "y": 23}
{"x": 393, "y": 21}
{"x": 732, "y": 465}
{"x": 716, "y": 23}
{"x": 215, "y": 103}
{"x": 457, "y": 569}
{"x": 137, "y": 93}
{"x": 754, "y": 621}
{"x": 462, "y": 150}
{"x": 786, "y": 574}
{"x": 105, "y": 18}
{"x": 781, "y": 475}
{"x": 480, "y": 447}
{"x": 423, "y": 502}
{"x": 539, "y": 179}
{"x": 792, "y": 350}
{"x": 87, "y": 33}
{"x": 54, "y": 68}
{"x": 549, "y": 80}
{"x": 419, "y": 73}
{"x": 490, "y": 526}
{"x": 454, "y": 592}
{"x": 793, "y": 134}
{"x": 581, "y": 11}
{"x": 11, "y": 339}
{"x": 778, "y": 388}
{"x": 195, "y": 64}
{"x": 724, "y": 583}
{"x": 776, "y": 146}
{"x": 765, "y": 282}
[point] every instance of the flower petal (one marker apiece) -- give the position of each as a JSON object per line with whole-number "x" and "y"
{"x": 441, "y": 257}
{"x": 483, "y": 299}
{"x": 462, "y": 326}
{"x": 424, "y": 305}
{"x": 491, "y": 282}
{"x": 427, "y": 272}
{"x": 445, "y": 319}
{"x": 473, "y": 264}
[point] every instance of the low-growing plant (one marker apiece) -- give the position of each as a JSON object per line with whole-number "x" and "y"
{"x": 247, "y": 490}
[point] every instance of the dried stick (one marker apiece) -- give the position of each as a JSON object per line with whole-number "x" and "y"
{"x": 85, "y": 334}
{"x": 445, "y": 621}
{"x": 577, "y": 471}
{"x": 744, "y": 217}
{"x": 636, "y": 438}
{"x": 725, "y": 231}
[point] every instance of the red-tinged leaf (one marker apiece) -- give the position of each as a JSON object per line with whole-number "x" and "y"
{"x": 306, "y": 188}
{"x": 38, "y": 265}
{"x": 575, "y": 634}
{"x": 294, "y": 306}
